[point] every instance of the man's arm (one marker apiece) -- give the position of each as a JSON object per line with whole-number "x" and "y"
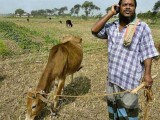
{"x": 147, "y": 74}
{"x": 99, "y": 25}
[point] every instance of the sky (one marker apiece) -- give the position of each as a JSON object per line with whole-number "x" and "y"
{"x": 9, "y": 6}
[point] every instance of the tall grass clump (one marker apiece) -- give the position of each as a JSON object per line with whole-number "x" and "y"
{"x": 4, "y": 51}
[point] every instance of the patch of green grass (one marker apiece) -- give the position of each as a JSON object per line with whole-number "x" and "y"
{"x": 4, "y": 51}
{"x": 48, "y": 39}
{"x": 20, "y": 35}
{"x": 88, "y": 47}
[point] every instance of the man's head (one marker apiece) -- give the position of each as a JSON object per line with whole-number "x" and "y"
{"x": 120, "y": 2}
{"x": 127, "y": 9}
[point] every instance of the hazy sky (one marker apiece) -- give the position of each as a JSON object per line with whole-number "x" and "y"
{"x": 9, "y": 6}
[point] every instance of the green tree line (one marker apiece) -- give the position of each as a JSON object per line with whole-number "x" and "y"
{"x": 88, "y": 8}
{"x": 154, "y": 14}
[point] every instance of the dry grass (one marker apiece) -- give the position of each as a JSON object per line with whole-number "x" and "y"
{"x": 19, "y": 73}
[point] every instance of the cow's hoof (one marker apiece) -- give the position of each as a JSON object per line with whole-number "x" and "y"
{"x": 53, "y": 114}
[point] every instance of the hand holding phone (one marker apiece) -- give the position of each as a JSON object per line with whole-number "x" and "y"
{"x": 116, "y": 9}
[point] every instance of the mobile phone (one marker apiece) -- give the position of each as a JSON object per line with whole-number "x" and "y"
{"x": 116, "y": 9}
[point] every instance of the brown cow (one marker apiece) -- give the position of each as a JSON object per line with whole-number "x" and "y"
{"x": 64, "y": 59}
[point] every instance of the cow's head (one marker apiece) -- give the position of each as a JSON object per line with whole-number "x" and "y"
{"x": 35, "y": 103}
{"x": 71, "y": 38}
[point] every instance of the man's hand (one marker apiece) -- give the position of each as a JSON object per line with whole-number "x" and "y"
{"x": 100, "y": 23}
{"x": 149, "y": 81}
{"x": 113, "y": 10}
{"x": 147, "y": 74}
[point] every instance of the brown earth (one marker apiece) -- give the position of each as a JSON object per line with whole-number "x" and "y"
{"x": 19, "y": 73}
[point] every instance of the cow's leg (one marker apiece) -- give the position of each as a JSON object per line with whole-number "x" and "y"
{"x": 55, "y": 91}
{"x": 71, "y": 78}
{"x": 53, "y": 108}
{"x": 58, "y": 91}
{"x": 58, "y": 86}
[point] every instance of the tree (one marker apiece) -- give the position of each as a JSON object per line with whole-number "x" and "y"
{"x": 40, "y": 12}
{"x": 61, "y": 10}
{"x": 157, "y": 6}
{"x": 20, "y": 12}
{"x": 75, "y": 9}
{"x": 55, "y": 11}
{"x": 94, "y": 7}
{"x": 109, "y": 8}
{"x": 88, "y": 7}
{"x": 48, "y": 11}
{"x": 34, "y": 13}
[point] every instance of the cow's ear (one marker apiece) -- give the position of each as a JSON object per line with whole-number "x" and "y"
{"x": 34, "y": 96}
{"x": 79, "y": 40}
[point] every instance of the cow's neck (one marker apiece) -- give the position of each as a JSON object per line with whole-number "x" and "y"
{"x": 45, "y": 82}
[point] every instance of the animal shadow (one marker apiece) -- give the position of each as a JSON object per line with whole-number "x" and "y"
{"x": 2, "y": 77}
{"x": 78, "y": 87}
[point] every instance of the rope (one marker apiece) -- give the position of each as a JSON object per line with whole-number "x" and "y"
{"x": 107, "y": 94}
{"x": 92, "y": 95}
{"x": 148, "y": 94}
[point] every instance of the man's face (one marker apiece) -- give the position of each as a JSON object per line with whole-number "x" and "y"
{"x": 127, "y": 8}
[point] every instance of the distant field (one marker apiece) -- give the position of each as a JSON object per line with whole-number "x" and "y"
{"x": 41, "y": 34}
{"x": 24, "y": 48}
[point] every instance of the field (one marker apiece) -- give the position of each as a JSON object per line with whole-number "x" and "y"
{"x": 22, "y": 63}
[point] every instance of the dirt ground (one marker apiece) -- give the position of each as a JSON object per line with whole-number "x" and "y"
{"x": 19, "y": 73}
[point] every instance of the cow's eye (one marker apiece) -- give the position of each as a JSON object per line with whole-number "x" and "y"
{"x": 34, "y": 97}
{"x": 34, "y": 106}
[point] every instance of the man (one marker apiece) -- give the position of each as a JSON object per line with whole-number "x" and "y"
{"x": 130, "y": 52}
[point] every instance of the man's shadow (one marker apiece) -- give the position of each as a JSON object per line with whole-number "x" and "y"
{"x": 78, "y": 87}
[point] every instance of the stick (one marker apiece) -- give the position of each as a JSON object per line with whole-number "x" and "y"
{"x": 134, "y": 91}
